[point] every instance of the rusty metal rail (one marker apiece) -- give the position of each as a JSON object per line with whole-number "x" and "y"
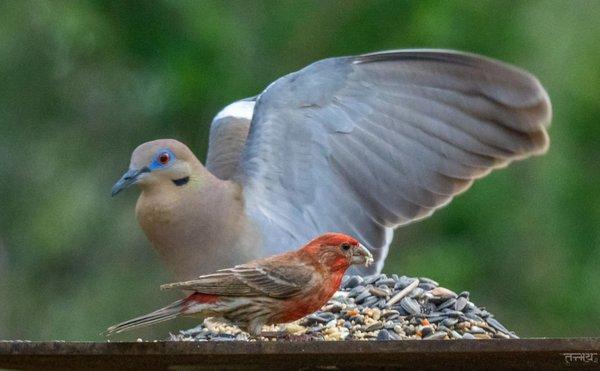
{"x": 457, "y": 354}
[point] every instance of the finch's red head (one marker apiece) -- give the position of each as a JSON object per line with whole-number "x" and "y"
{"x": 338, "y": 251}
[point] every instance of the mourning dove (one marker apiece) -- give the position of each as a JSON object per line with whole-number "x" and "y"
{"x": 357, "y": 145}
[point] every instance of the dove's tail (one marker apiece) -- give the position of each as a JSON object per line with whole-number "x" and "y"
{"x": 164, "y": 314}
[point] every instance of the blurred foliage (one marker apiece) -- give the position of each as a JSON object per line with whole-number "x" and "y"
{"x": 84, "y": 82}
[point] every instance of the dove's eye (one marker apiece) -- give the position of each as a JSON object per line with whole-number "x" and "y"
{"x": 345, "y": 246}
{"x": 164, "y": 158}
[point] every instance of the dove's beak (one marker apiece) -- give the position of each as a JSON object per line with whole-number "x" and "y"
{"x": 129, "y": 178}
{"x": 361, "y": 255}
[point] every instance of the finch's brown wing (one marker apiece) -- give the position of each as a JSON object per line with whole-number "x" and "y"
{"x": 225, "y": 282}
{"x": 275, "y": 279}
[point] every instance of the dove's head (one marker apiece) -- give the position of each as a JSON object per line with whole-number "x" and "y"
{"x": 338, "y": 251}
{"x": 160, "y": 163}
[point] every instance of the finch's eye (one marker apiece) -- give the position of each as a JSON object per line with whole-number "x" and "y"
{"x": 345, "y": 246}
{"x": 164, "y": 158}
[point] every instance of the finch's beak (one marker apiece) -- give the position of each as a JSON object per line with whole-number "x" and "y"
{"x": 129, "y": 178}
{"x": 361, "y": 255}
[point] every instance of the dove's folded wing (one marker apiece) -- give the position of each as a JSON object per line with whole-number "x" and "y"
{"x": 228, "y": 133}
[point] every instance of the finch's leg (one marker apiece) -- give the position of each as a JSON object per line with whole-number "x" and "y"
{"x": 255, "y": 326}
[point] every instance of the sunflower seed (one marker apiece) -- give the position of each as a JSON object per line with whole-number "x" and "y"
{"x": 436, "y": 319}
{"x": 389, "y": 282}
{"x": 372, "y": 279}
{"x": 359, "y": 320}
{"x": 443, "y": 328}
{"x": 382, "y": 303}
{"x": 193, "y": 331}
{"x": 443, "y": 293}
{"x": 476, "y": 330}
{"x": 434, "y": 313}
{"x": 410, "y": 305}
{"x": 497, "y": 325}
{"x": 428, "y": 307}
{"x": 450, "y": 322}
{"x": 452, "y": 313}
{"x": 404, "y": 282}
{"x": 362, "y": 296}
{"x": 473, "y": 317}
{"x": 370, "y": 301}
{"x": 447, "y": 304}
{"x": 428, "y": 280}
{"x": 379, "y": 292}
{"x": 352, "y": 282}
{"x": 383, "y": 335}
{"x": 426, "y": 286}
{"x": 461, "y": 302}
{"x": 401, "y": 311}
{"x": 436, "y": 336}
{"x": 356, "y": 291}
{"x": 417, "y": 292}
{"x": 374, "y": 326}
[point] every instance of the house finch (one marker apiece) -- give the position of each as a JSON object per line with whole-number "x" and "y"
{"x": 278, "y": 289}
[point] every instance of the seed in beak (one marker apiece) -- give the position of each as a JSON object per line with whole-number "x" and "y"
{"x": 362, "y": 256}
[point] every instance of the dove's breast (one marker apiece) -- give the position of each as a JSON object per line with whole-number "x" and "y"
{"x": 199, "y": 230}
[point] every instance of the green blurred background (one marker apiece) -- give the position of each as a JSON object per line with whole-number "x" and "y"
{"x": 84, "y": 82}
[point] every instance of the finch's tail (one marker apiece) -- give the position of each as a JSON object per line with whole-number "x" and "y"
{"x": 164, "y": 314}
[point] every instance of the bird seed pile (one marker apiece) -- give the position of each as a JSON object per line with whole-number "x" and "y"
{"x": 377, "y": 307}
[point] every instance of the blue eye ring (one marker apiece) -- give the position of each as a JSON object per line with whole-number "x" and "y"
{"x": 163, "y": 158}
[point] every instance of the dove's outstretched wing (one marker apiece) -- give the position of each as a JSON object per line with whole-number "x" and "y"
{"x": 361, "y": 145}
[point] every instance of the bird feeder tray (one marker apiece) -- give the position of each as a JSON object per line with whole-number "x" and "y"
{"x": 540, "y": 353}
